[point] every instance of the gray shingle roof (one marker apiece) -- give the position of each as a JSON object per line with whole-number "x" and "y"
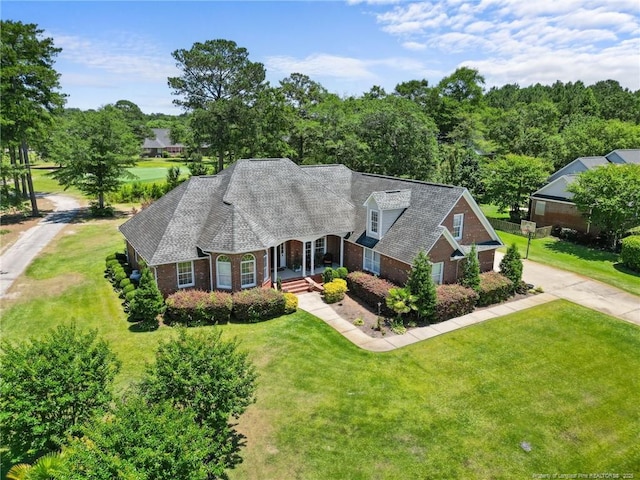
{"x": 392, "y": 200}
{"x": 624, "y": 156}
{"x": 162, "y": 139}
{"x": 258, "y": 203}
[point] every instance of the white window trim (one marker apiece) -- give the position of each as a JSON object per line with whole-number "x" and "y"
{"x": 461, "y": 217}
{"x": 440, "y": 277}
{"x": 364, "y": 260}
{"x": 540, "y": 207}
{"x": 242, "y": 262}
{"x": 376, "y": 233}
{"x": 218, "y": 283}
{"x": 193, "y": 277}
{"x": 265, "y": 265}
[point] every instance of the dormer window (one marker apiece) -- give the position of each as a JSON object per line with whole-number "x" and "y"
{"x": 374, "y": 222}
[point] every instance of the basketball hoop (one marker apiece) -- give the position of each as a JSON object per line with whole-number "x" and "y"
{"x": 528, "y": 228}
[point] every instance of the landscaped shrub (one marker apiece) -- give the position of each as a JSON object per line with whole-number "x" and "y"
{"x": 334, "y": 291}
{"x": 341, "y": 272}
{"x": 147, "y": 303}
{"x": 494, "y": 288}
{"x": 129, "y": 296}
{"x": 454, "y": 301}
{"x": 258, "y": 304}
{"x": 124, "y": 282}
{"x": 471, "y": 270}
{"x": 290, "y": 302}
{"x": 328, "y": 275}
{"x": 511, "y": 266}
{"x": 128, "y": 288}
{"x": 630, "y": 253}
{"x": 420, "y": 283}
{"x": 371, "y": 290}
{"x": 119, "y": 276}
{"x": 196, "y": 307}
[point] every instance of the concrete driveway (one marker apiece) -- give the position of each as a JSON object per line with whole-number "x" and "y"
{"x": 581, "y": 290}
{"x": 15, "y": 260}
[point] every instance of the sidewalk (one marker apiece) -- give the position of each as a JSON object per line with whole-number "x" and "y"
{"x": 556, "y": 283}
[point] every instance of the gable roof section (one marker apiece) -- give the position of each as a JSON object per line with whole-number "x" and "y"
{"x": 579, "y": 165}
{"x": 624, "y": 156}
{"x": 418, "y": 227}
{"x": 392, "y": 200}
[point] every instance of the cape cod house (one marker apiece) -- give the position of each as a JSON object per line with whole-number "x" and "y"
{"x": 553, "y": 203}
{"x": 264, "y": 219}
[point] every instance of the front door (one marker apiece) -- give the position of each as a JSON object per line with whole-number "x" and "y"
{"x": 282, "y": 255}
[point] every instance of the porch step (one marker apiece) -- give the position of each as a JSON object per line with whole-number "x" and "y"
{"x": 295, "y": 286}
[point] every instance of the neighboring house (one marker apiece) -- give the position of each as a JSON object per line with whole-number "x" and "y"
{"x": 553, "y": 204}
{"x": 264, "y": 219}
{"x": 154, "y": 147}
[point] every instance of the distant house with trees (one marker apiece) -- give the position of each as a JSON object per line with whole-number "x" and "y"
{"x": 161, "y": 143}
{"x": 553, "y": 203}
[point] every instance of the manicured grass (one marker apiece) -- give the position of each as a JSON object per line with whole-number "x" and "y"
{"x": 491, "y": 211}
{"x": 597, "y": 264}
{"x": 149, "y": 174}
{"x": 558, "y": 376}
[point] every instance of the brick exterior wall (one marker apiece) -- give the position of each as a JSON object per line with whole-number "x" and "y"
{"x": 352, "y": 256}
{"x": 472, "y": 229}
{"x": 441, "y": 252}
{"x": 562, "y": 214}
{"x": 394, "y": 270}
{"x": 486, "y": 260}
{"x": 236, "y": 259}
{"x": 167, "y": 276}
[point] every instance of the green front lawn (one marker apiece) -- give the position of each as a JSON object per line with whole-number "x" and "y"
{"x": 558, "y": 377}
{"x": 597, "y": 264}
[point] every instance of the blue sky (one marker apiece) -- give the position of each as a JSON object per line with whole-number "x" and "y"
{"x": 122, "y": 50}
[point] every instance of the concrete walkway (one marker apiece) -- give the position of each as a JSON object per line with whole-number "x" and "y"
{"x": 16, "y": 259}
{"x": 556, "y": 284}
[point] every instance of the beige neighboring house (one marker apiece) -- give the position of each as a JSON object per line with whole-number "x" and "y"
{"x": 553, "y": 203}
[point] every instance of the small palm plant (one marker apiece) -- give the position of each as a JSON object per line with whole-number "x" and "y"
{"x": 401, "y": 301}
{"x": 44, "y": 468}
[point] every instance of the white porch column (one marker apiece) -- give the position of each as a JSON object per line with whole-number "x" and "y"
{"x": 304, "y": 258}
{"x": 274, "y": 280}
{"x": 313, "y": 257}
{"x": 341, "y": 251}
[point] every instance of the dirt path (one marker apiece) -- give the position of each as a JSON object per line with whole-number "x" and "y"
{"x": 16, "y": 258}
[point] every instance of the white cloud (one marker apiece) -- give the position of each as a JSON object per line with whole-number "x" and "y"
{"x": 525, "y": 42}
{"x": 416, "y": 46}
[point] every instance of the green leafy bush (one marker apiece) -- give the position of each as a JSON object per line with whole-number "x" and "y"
{"x": 328, "y": 275}
{"x": 335, "y": 290}
{"x": 341, "y": 272}
{"x": 290, "y": 303}
{"x": 471, "y": 270}
{"x": 454, "y": 301}
{"x": 511, "y": 266}
{"x": 371, "y": 290}
{"x": 128, "y": 288}
{"x": 119, "y": 276}
{"x": 129, "y": 296}
{"x": 258, "y": 304}
{"x": 196, "y": 307}
{"x": 420, "y": 283}
{"x": 124, "y": 282}
{"x": 147, "y": 303}
{"x": 630, "y": 252}
{"x": 494, "y": 288}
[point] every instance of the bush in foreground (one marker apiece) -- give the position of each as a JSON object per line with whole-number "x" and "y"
{"x": 630, "y": 253}
{"x": 258, "y": 304}
{"x": 494, "y": 288}
{"x": 371, "y": 290}
{"x": 50, "y": 386}
{"x": 196, "y": 307}
{"x": 454, "y": 301}
{"x": 511, "y": 265}
{"x": 147, "y": 303}
{"x": 335, "y": 290}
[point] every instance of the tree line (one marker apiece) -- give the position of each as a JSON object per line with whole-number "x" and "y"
{"x": 450, "y": 132}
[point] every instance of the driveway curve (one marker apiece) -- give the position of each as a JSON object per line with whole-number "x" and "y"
{"x": 15, "y": 260}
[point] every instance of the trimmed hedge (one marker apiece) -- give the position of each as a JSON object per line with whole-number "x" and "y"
{"x": 290, "y": 302}
{"x": 258, "y": 304}
{"x": 454, "y": 301}
{"x": 196, "y": 307}
{"x": 371, "y": 290}
{"x": 334, "y": 291}
{"x": 630, "y": 253}
{"x": 494, "y": 288}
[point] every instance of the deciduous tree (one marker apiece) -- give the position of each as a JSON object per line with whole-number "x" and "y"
{"x": 50, "y": 386}
{"x": 609, "y": 196}
{"x": 510, "y": 180}
{"x": 94, "y": 149}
